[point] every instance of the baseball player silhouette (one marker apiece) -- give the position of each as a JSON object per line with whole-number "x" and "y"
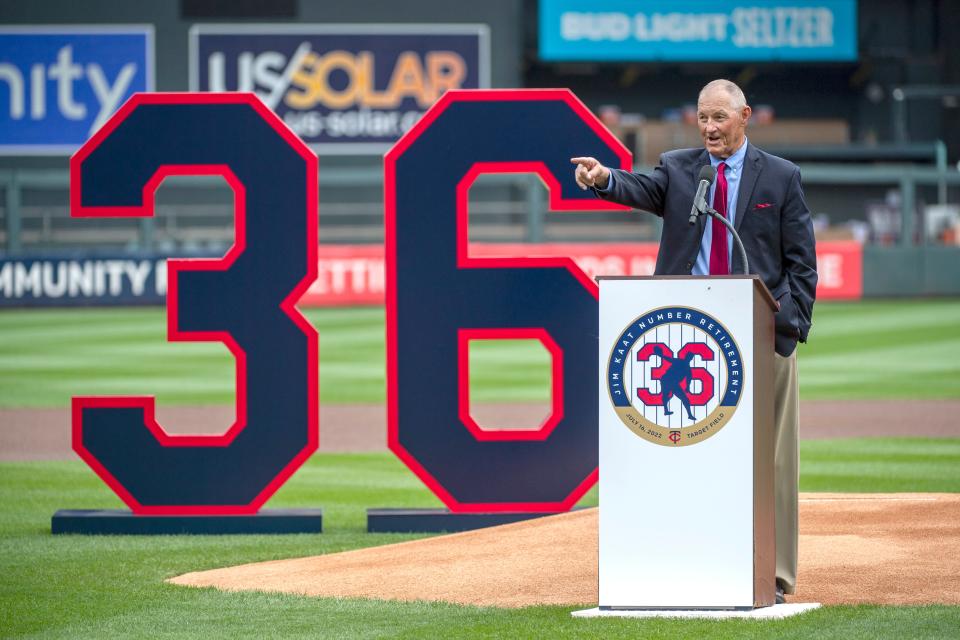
{"x": 678, "y": 371}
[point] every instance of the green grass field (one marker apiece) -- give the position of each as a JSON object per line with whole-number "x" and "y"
{"x": 105, "y": 586}
{"x": 907, "y": 349}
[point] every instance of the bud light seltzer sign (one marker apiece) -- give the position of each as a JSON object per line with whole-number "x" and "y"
{"x": 344, "y": 89}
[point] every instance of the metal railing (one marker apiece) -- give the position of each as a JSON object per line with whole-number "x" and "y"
{"x": 514, "y": 210}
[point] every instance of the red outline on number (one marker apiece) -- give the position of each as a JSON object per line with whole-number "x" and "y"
{"x": 464, "y": 336}
{"x": 644, "y": 394}
{"x": 288, "y": 305}
{"x": 703, "y": 386}
{"x": 464, "y": 261}
{"x": 651, "y": 399}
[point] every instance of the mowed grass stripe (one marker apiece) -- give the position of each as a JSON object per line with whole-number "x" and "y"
{"x": 54, "y": 317}
{"x": 848, "y": 318}
{"x": 864, "y": 350}
{"x": 918, "y": 365}
{"x": 880, "y": 465}
{"x": 363, "y": 323}
{"x": 141, "y": 356}
{"x": 874, "y": 341}
{"x": 50, "y": 355}
{"x": 124, "y": 330}
{"x": 923, "y": 353}
{"x": 509, "y": 371}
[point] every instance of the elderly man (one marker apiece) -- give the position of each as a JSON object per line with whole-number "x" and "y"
{"x": 760, "y": 194}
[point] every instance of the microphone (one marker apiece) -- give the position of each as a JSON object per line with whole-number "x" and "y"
{"x": 707, "y": 175}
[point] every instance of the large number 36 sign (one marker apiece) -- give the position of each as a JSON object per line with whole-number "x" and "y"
{"x": 438, "y": 299}
{"x": 245, "y": 300}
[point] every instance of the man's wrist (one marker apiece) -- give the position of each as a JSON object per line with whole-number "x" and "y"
{"x": 606, "y": 185}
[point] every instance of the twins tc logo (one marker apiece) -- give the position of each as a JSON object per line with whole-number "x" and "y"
{"x": 674, "y": 376}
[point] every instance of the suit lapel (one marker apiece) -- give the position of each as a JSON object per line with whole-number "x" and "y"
{"x": 752, "y": 166}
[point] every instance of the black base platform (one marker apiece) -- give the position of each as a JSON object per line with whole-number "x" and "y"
{"x": 439, "y": 520}
{"x": 123, "y": 522}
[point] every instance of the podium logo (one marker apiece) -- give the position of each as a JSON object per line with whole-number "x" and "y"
{"x": 674, "y": 376}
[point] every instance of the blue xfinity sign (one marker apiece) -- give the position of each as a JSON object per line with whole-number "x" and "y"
{"x": 699, "y": 30}
{"x": 59, "y": 84}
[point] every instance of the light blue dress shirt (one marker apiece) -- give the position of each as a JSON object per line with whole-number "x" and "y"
{"x": 733, "y": 173}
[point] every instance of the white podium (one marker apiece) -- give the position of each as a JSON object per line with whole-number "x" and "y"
{"x": 686, "y": 443}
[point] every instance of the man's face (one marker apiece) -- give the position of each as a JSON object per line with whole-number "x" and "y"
{"x": 721, "y": 126}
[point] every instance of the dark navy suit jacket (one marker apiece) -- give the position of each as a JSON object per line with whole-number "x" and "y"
{"x": 772, "y": 219}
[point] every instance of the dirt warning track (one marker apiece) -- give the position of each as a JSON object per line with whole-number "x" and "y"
{"x": 44, "y": 434}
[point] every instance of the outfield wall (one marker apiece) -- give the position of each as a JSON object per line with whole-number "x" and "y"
{"x": 911, "y": 271}
{"x": 347, "y": 274}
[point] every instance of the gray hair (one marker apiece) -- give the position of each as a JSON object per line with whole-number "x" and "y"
{"x": 737, "y": 99}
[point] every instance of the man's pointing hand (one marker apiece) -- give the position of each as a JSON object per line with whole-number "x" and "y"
{"x": 590, "y": 173}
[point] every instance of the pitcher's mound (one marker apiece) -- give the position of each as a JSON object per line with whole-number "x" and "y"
{"x": 854, "y": 548}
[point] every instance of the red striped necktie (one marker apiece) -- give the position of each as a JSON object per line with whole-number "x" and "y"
{"x": 719, "y": 255}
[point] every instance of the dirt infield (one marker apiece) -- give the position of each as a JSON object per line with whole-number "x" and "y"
{"x": 893, "y": 549}
{"x": 44, "y": 434}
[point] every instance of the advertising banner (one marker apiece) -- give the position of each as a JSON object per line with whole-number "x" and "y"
{"x": 344, "y": 89}
{"x": 840, "y": 267}
{"x": 699, "y": 30}
{"x": 352, "y": 274}
{"x": 68, "y": 281}
{"x": 58, "y": 84}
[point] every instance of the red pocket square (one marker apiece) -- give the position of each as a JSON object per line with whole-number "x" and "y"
{"x": 763, "y": 205}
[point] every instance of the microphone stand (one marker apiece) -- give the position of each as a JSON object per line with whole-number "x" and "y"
{"x": 736, "y": 236}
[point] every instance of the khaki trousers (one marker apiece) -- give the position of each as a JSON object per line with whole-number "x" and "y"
{"x": 786, "y": 408}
